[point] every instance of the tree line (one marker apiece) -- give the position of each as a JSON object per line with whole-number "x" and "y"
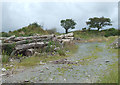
{"x": 94, "y": 22}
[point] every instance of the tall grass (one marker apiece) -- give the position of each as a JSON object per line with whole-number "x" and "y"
{"x": 112, "y": 74}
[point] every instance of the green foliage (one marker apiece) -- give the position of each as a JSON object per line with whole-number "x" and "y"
{"x": 111, "y": 29}
{"x": 112, "y": 74}
{"x": 83, "y": 29}
{"x": 5, "y": 58}
{"x": 67, "y": 24}
{"x": 98, "y": 22}
{"x": 8, "y": 49}
{"x": 96, "y": 34}
{"x": 61, "y": 52}
{"x": 5, "y": 34}
{"x": 50, "y": 47}
{"x": 111, "y": 32}
{"x": 29, "y": 30}
{"x": 35, "y": 24}
{"x": 20, "y": 55}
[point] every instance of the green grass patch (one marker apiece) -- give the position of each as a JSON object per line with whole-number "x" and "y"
{"x": 111, "y": 76}
{"x": 5, "y": 59}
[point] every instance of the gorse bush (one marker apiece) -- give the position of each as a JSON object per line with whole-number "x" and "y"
{"x": 4, "y": 34}
{"x": 29, "y": 30}
{"x": 61, "y": 52}
{"x": 111, "y": 32}
{"x": 7, "y": 49}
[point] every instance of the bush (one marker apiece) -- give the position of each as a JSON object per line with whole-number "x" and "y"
{"x": 4, "y": 34}
{"x": 111, "y": 32}
{"x": 111, "y": 29}
{"x": 5, "y": 58}
{"x": 83, "y": 29}
{"x": 7, "y": 49}
{"x": 61, "y": 52}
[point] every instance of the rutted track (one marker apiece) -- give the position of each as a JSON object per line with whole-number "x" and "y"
{"x": 86, "y": 71}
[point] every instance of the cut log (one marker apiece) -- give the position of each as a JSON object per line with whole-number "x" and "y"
{"x": 71, "y": 38}
{"x": 9, "y": 38}
{"x": 33, "y": 37}
{"x": 24, "y": 42}
{"x": 3, "y": 38}
{"x": 69, "y": 35}
{"x": 66, "y": 40}
{"x": 30, "y": 45}
{"x": 25, "y": 47}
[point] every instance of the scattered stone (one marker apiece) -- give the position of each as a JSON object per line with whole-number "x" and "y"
{"x": 26, "y": 81}
{"x": 88, "y": 75}
{"x": 57, "y": 48}
{"x": 6, "y": 64}
{"x": 41, "y": 71}
{"x": 51, "y": 79}
{"x": 11, "y": 65}
{"x": 41, "y": 63}
{"x": 47, "y": 68}
{"x": 64, "y": 79}
{"x": 3, "y": 69}
{"x": 64, "y": 61}
{"x": 11, "y": 60}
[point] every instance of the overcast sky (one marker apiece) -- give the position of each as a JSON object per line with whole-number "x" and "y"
{"x": 16, "y": 15}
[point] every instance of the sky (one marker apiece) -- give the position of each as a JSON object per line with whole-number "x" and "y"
{"x": 16, "y": 15}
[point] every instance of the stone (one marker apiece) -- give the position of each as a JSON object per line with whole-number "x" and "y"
{"x": 41, "y": 63}
{"x": 107, "y": 61}
{"x": 26, "y": 81}
{"x": 51, "y": 79}
{"x": 11, "y": 65}
{"x": 64, "y": 79}
{"x": 3, "y": 69}
{"x": 57, "y": 48}
{"x": 41, "y": 71}
{"x": 47, "y": 68}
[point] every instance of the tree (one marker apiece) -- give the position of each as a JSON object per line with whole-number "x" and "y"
{"x": 98, "y": 22}
{"x": 67, "y": 24}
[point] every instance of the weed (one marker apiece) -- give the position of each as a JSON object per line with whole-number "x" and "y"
{"x": 5, "y": 58}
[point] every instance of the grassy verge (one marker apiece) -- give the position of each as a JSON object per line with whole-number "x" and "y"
{"x": 112, "y": 74}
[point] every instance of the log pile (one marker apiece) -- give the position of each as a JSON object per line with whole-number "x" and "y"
{"x": 27, "y": 44}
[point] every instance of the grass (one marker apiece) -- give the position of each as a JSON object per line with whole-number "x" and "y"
{"x": 94, "y": 34}
{"x": 112, "y": 74}
{"x": 5, "y": 58}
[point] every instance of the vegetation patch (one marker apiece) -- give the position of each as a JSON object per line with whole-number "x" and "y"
{"x": 111, "y": 76}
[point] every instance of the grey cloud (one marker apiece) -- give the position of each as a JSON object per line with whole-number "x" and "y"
{"x": 49, "y": 14}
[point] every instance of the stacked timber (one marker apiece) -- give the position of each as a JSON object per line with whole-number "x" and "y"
{"x": 27, "y": 45}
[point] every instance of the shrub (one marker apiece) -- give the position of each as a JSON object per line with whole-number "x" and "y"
{"x": 5, "y": 58}
{"x": 4, "y": 34}
{"x": 61, "y": 52}
{"x": 111, "y": 29}
{"x": 8, "y": 49}
{"x": 111, "y": 32}
{"x": 83, "y": 29}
